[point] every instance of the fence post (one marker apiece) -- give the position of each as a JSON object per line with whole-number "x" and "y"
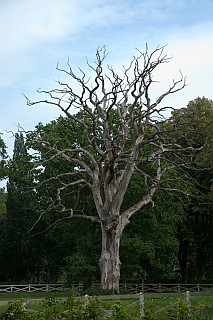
{"x": 198, "y": 287}
{"x": 11, "y": 288}
{"x": 29, "y": 287}
{"x": 142, "y": 314}
{"x": 188, "y": 301}
{"x": 47, "y": 288}
{"x": 159, "y": 287}
{"x": 178, "y": 287}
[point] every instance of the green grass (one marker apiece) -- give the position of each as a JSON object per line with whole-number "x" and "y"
{"x": 32, "y": 295}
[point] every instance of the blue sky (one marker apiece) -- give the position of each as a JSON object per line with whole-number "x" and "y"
{"x": 37, "y": 34}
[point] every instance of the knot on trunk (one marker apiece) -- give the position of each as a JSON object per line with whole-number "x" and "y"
{"x": 110, "y": 222}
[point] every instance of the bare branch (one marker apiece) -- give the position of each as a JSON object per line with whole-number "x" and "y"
{"x": 123, "y": 129}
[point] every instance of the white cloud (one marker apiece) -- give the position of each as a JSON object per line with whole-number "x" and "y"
{"x": 24, "y": 23}
{"x": 192, "y": 52}
{"x": 29, "y": 24}
{"x": 35, "y": 34}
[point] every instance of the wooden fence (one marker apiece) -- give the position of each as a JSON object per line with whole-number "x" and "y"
{"x": 124, "y": 287}
{"x": 163, "y": 288}
{"x": 31, "y": 287}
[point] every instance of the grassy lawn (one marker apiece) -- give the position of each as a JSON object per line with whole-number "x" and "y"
{"x": 6, "y": 296}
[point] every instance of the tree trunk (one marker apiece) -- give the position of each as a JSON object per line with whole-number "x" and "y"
{"x": 110, "y": 257}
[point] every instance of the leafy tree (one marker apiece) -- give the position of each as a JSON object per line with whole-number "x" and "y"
{"x": 82, "y": 263}
{"x": 149, "y": 247}
{"x": 195, "y": 233}
{"x": 2, "y": 202}
{"x": 21, "y": 255}
{"x": 121, "y": 136}
{"x": 77, "y": 252}
{"x": 27, "y": 257}
{"x": 17, "y": 218}
{"x": 3, "y": 156}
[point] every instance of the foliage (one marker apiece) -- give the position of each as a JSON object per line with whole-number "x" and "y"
{"x": 182, "y": 311}
{"x": 3, "y": 197}
{"x": 88, "y": 308}
{"x": 122, "y": 312}
{"x": 16, "y": 311}
{"x": 149, "y": 247}
{"x": 3, "y": 157}
{"x": 195, "y": 232}
{"x": 18, "y": 218}
{"x": 79, "y": 267}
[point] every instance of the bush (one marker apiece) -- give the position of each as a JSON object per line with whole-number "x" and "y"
{"x": 16, "y": 311}
{"x": 77, "y": 307}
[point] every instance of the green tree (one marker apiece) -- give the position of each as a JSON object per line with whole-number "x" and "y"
{"x": 2, "y": 202}
{"x": 27, "y": 257}
{"x": 149, "y": 247}
{"x": 78, "y": 241}
{"x": 121, "y": 136}
{"x": 195, "y": 124}
{"x": 17, "y": 218}
{"x": 3, "y": 156}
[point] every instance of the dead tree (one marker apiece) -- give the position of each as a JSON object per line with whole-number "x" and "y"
{"x": 123, "y": 121}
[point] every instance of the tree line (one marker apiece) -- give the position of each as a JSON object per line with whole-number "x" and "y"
{"x": 119, "y": 162}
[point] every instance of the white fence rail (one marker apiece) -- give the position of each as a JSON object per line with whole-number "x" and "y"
{"x": 31, "y": 287}
{"x": 160, "y": 287}
{"x": 125, "y": 287}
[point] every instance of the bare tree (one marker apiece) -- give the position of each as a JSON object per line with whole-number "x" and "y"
{"x": 123, "y": 122}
